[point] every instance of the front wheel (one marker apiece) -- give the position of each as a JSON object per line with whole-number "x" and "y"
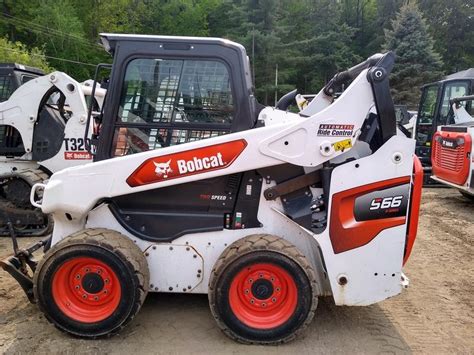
{"x": 92, "y": 283}
{"x": 262, "y": 291}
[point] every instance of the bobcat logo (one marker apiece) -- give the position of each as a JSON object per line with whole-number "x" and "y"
{"x": 163, "y": 169}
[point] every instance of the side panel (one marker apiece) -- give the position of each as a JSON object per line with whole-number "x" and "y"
{"x": 364, "y": 264}
{"x": 208, "y": 246}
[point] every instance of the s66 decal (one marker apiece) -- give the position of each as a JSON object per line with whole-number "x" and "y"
{"x": 190, "y": 162}
{"x": 386, "y": 203}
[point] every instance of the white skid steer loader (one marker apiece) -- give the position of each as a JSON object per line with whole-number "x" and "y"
{"x": 41, "y": 132}
{"x": 272, "y": 211}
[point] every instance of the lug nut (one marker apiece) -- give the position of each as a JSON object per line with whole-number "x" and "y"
{"x": 264, "y": 304}
{"x": 96, "y": 298}
{"x": 77, "y": 287}
{"x": 252, "y": 301}
{"x": 261, "y": 276}
{"x": 84, "y": 296}
{"x": 250, "y": 281}
{"x": 274, "y": 299}
{"x": 106, "y": 281}
{"x": 246, "y": 291}
{"x": 78, "y": 277}
{"x": 278, "y": 289}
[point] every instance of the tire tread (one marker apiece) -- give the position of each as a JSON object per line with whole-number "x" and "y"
{"x": 261, "y": 242}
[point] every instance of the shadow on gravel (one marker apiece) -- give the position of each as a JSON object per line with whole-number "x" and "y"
{"x": 171, "y": 323}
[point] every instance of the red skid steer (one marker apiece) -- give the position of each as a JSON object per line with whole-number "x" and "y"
{"x": 271, "y": 211}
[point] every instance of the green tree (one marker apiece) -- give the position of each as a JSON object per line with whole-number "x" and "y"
{"x": 66, "y": 38}
{"x": 452, "y": 27}
{"x": 417, "y": 63}
{"x": 17, "y": 52}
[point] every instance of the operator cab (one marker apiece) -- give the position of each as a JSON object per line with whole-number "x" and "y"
{"x": 434, "y": 109}
{"x": 166, "y": 90}
{"x": 13, "y": 75}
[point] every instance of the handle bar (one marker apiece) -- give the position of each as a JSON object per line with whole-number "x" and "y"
{"x": 350, "y": 73}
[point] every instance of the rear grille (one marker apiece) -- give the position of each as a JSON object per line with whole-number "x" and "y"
{"x": 450, "y": 158}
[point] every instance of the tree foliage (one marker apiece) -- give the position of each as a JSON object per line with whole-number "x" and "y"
{"x": 309, "y": 40}
{"x": 417, "y": 62}
{"x": 16, "y": 52}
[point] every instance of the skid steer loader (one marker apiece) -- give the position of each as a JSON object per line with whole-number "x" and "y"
{"x": 453, "y": 146}
{"x": 41, "y": 132}
{"x": 273, "y": 210}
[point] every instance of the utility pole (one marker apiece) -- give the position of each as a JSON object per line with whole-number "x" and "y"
{"x": 253, "y": 55}
{"x": 276, "y": 83}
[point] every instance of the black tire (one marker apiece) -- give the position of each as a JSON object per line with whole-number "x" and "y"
{"x": 249, "y": 255}
{"x": 466, "y": 195}
{"x": 29, "y": 177}
{"x": 110, "y": 269}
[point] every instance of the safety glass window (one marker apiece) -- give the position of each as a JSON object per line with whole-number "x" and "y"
{"x": 428, "y": 104}
{"x": 6, "y": 87}
{"x": 172, "y": 101}
{"x": 451, "y": 90}
{"x": 172, "y": 90}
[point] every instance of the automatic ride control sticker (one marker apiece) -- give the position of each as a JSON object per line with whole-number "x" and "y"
{"x": 189, "y": 162}
{"x": 335, "y": 130}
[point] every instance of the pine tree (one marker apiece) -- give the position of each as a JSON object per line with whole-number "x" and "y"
{"x": 417, "y": 63}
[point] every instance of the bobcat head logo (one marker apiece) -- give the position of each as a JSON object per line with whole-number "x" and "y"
{"x": 163, "y": 169}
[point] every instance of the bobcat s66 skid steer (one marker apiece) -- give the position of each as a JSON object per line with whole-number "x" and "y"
{"x": 272, "y": 211}
{"x": 41, "y": 132}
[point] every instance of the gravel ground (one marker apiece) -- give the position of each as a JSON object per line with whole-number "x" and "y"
{"x": 435, "y": 315}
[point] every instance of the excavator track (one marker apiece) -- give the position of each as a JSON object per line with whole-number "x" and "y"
{"x": 15, "y": 205}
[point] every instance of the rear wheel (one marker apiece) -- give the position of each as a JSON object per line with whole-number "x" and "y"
{"x": 92, "y": 283}
{"x": 262, "y": 290}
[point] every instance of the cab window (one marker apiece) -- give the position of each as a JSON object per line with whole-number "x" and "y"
{"x": 451, "y": 90}
{"x": 428, "y": 104}
{"x": 6, "y": 87}
{"x": 172, "y": 101}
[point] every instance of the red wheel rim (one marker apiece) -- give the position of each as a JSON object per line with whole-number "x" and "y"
{"x": 86, "y": 289}
{"x": 263, "y": 296}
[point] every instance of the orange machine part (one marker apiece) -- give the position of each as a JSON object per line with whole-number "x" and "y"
{"x": 451, "y": 163}
{"x": 414, "y": 207}
{"x": 344, "y": 231}
{"x": 185, "y": 163}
